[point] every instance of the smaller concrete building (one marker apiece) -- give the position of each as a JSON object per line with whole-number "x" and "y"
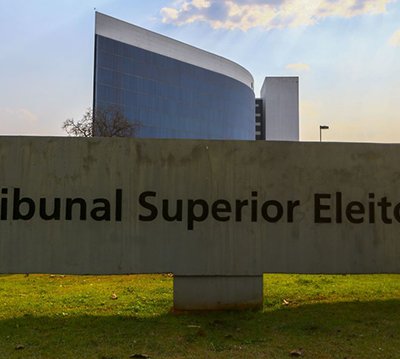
{"x": 277, "y": 111}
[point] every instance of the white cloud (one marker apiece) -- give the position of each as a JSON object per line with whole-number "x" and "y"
{"x": 267, "y": 14}
{"x": 18, "y": 121}
{"x": 299, "y": 67}
{"x": 170, "y": 13}
{"x": 395, "y": 39}
{"x": 201, "y": 3}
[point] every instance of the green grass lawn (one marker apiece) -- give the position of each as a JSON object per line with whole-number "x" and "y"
{"x": 106, "y": 317}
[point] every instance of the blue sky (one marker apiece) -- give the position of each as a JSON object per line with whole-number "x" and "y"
{"x": 346, "y": 53}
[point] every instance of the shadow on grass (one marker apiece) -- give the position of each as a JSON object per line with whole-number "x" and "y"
{"x": 348, "y": 329}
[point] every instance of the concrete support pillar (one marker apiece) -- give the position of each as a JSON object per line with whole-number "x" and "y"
{"x": 218, "y": 292}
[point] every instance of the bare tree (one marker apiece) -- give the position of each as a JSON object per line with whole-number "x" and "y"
{"x": 111, "y": 122}
{"x": 81, "y": 128}
{"x": 107, "y": 122}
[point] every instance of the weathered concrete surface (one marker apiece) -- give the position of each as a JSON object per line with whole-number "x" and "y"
{"x": 218, "y": 292}
{"x": 209, "y": 170}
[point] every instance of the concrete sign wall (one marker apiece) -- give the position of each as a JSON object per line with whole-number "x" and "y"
{"x": 104, "y": 206}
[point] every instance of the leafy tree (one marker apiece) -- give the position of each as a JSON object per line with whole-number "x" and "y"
{"x": 108, "y": 122}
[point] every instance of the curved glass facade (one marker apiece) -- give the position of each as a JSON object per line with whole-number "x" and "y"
{"x": 170, "y": 98}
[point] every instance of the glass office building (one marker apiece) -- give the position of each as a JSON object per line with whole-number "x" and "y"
{"x": 171, "y": 89}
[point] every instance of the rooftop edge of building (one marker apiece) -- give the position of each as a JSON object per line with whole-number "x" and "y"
{"x": 130, "y": 34}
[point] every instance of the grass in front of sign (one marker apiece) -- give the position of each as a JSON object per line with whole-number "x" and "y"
{"x": 110, "y": 317}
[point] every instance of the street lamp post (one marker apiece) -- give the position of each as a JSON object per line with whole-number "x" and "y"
{"x": 320, "y": 131}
